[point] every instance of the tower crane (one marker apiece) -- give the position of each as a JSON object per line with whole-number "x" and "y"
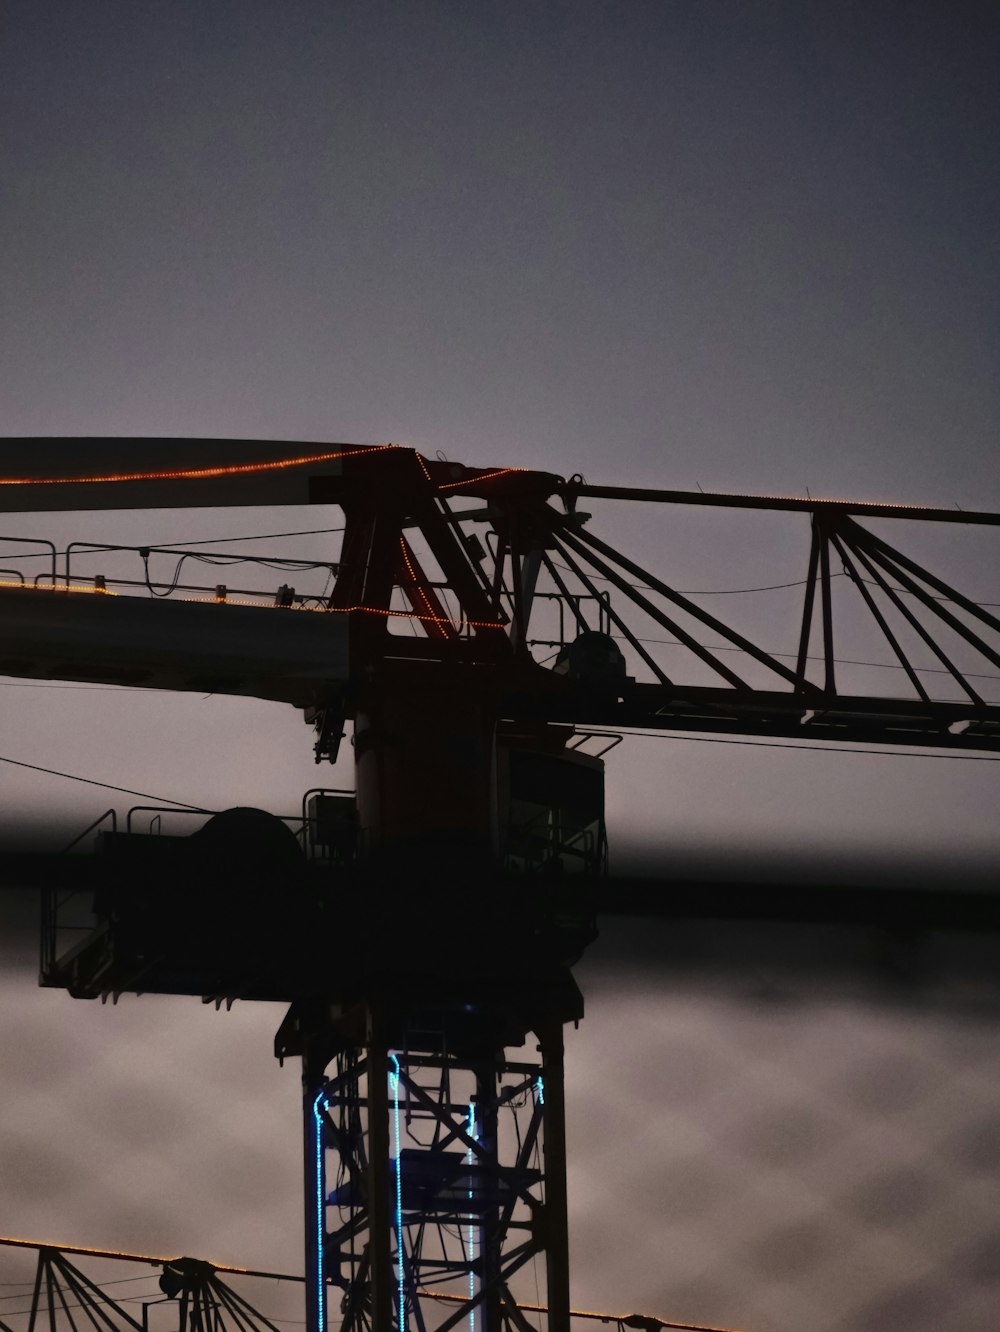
{"x": 423, "y": 928}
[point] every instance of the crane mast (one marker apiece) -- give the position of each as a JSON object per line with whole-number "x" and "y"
{"x": 424, "y": 930}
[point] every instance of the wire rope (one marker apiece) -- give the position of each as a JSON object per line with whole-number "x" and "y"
{"x": 108, "y": 786}
{"x": 121, "y": 1281}
{"x": 808, "y": 746}
{"x": 841, "y": 661}
{"x": 194, "y": 541}
{"x": 736, "y": 591}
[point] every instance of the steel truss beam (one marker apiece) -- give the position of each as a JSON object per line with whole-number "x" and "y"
{"x": 472, "y": 604}
{"x": 429, "y": 1168}
{"x": 66, "y": 1299}
{"x": 573, "y": 489}
{"x": 187, "y": 1269}
{"x": 909, "y": 606}
{"x": 892, "y": 573}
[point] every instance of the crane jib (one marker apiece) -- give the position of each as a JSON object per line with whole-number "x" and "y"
{"x": 282, "y": 654}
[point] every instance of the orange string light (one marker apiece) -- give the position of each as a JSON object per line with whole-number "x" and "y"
{"x": 411, "y": 615}
{"x": 652, "y": 1319}
{"x": 280, "y": 464}
{"x": 257, "y": 605}
{"x": 430, "y": 616}
{"x": 58, "y": 587}
{"x": 134, "y": 1257}
{"x": 834, "y": 503}
{"x": 444, "y": 1297}
{"x": 245, "y": 469}
{"x": 197, "y": 473}
{"x": 487, "y": 476}
{"x": 79, "y": 1248}
{"x": 339, "y": 610}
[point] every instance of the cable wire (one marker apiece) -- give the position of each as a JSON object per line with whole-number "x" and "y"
{"x": 121, "y": 1281}
{"x": 770, "y": 587}
{"x": 199, "y": 541}
{"x": 807, "y": 745}
{"x": 108, "y": 786}
{"x": 226, "y": 561}
{"x": 841, "y": 661}
{"x": 257, "y": 536}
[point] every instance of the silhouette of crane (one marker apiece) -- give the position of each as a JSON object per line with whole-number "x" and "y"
{"x": 423, "y": 927}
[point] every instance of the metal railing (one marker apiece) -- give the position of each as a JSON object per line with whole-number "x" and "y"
{"x": 48, "y": 551}
{"x": 59, "y": 903}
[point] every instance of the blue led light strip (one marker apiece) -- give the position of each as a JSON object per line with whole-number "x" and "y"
{"x": 472, "y": 1279}
{"x": 540, "y": 1088}
{"x": 394, "y": 1079}
{"x": 320, "y": 1205}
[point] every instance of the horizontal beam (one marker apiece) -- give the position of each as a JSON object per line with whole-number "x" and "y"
{"x": 151, "y": 1259}
{"x": 765, "y": 715}
{"x": 283, "y": 654}
{"x": 45, "y": 475}
{"x": 40, "y": 475}
{"x": 572, "y": 491}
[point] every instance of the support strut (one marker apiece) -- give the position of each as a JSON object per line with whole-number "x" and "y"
{"x": 433, "y": 1161}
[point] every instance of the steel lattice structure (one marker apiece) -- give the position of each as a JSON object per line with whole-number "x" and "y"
{"x": 478, "y": 815}
{"x": 66, "y": 1299}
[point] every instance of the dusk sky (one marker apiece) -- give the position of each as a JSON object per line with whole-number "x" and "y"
{"x": 738, "y": 246}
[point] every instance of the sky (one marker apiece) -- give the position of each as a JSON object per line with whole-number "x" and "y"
{"x": 738, "y": 246}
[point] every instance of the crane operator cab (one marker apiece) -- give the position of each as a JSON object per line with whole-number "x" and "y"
{"x": 442, "y": 782}
{"x": 549, "y": 804}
